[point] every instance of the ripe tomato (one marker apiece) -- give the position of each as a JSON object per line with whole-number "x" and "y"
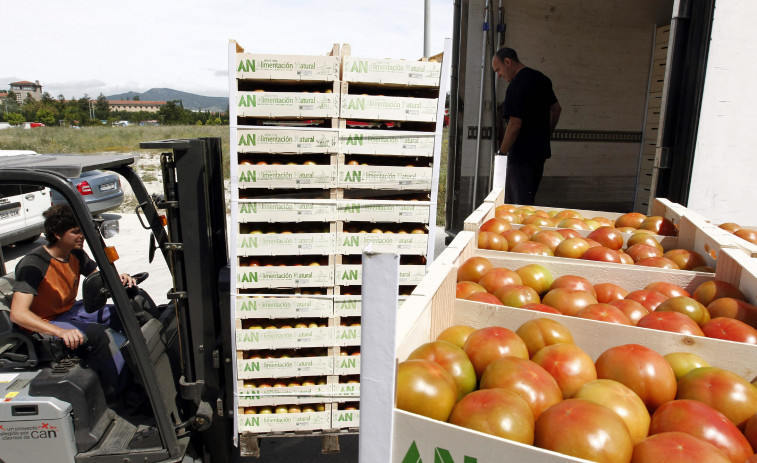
{"x": 608, "y": 292}
{"x": 514, "y": 237}
{"x": 687, "y": 306}
{"x": 539, "y": 221}
{"x": 684, "y": 362}
{"x": 465, "y": 288}
{"x": 676, "y": 447}
{"x": 516, "y": 295}
{"x": 715, "y": 289}
{"x": 425, "y": 388}
{"x": 569, "y": 233}
{"x": 507, "y": 215}
{"x": 473, "y": 269}
{"x": 625, "y": 258}
{"x": 604, "y": 313}
{"x": 525, "y": 378}
{"x": 659, "y": 262}
{"x": 649, "y": 299}
{"x": 704, "y": 422}
{"x": 451, "y": 358}
{"x": 642, "y": 370}
{"x": 533, "y": 248}
{"x": 584, "y": 429}
{"x": 734, "y": 308}
{"x": 536, "y": 276}
{"x": 730, "y": 329}
{"x": 726, "y": 392}
{"x": 609, "y": 237}
{"x": 572, "y": 248}
{"x": 541, "y": 332}
{"x": 486, "y": 298}
{"x": 568, "y": 301}
{"x": 631, "y": 309}
{"x": 456, "y": 334}
{"x": 549, "y": 238}
{"x": 530, "y": 230}
{"x": 498, "y": 412}
{"x": 747, "y": 234}
{"x": 730, "y": 226}
{"x": 750, "y": 431}
{"x": 673, "y": 322}
{"x": 495, "y": 225}
{"x": 659, "y": 225}
{"x": 573, "y": 224}
{"x": 497, "y": 277}
{"x": 568, "y": 214}
{"x": 601, "y": 254}
{"x": 685, "y": 259}
{"x": 485, "y": 345}
{"x": 631, "y": 219}
{"x": 623, "y": 401}
{"x": 568, "y": 364}
{"x": 574, "y": 282}
{"x": 541, "y": 308}
{"x": 667, "y": 289}
{"x": 639, "y": 252}
{"x": 644, "y": 237}
{"x": 491, "y": 240}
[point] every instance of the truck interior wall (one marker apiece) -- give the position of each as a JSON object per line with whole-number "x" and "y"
{"x": 724, "y": 160}
{"x": 598, "y": 55}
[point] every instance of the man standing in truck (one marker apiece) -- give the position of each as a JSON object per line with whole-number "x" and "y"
{"x": 531, "y": 111}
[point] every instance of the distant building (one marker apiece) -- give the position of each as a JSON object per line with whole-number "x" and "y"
{"x": 135, "y": 106}
{"x": 24, "y": 88}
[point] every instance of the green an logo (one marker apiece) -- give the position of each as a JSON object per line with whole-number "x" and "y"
{"x": 247, "y": 65}
{"x": 356, "y": 139}
{"x": 249, "y": 277}
{"x": 345, "y": 417}
{"x": 248, "y": 208}
{"x": 247, "y": 139}
{"x": 250, "y": 242}
{"x": 359, "y": 66}
{"x": 353, "y": 176}
{"x": 252, "y": 421}
{"x": 351, "y": 241}
{"x": 440, "y": 456}
{"x": 247, "y": 101}
{"x": 350, "y": 275}
{"x": 356, "y": 103}
{"x": 248, "y": 177}
{"x": 251, "y": 366}
{"x": 248, "y": 306}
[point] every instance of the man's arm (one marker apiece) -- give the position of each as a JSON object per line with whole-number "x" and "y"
{"x": 22, "y": 315}
{"x": 511, "y": 134}
{"x": 554, "y": 115}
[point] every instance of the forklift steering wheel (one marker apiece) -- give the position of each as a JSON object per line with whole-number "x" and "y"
{"x": 140, "y": 277}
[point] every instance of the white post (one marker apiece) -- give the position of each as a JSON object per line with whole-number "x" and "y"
{"x": 426, "y": 28}
{"x": 377, "y": 366}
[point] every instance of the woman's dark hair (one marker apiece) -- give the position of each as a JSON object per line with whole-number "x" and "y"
{"x": 506, "y": 52}
{"x": 58, "y": 220}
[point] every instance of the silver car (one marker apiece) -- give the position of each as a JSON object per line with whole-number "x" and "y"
{"x": 100, "y": 190}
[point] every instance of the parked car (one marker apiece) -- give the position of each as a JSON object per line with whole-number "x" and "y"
{"x": 101, "y": 191}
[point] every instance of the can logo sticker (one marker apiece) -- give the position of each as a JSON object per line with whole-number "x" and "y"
{"x": 41, "y": 431}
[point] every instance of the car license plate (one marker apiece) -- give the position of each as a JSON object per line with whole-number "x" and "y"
{"x": 8, "y": 214}
{"x": 108, "y": 186}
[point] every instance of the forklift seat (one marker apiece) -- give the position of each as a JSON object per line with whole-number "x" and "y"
{"x": 16, "y": 346}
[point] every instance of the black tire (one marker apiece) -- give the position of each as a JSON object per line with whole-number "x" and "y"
{"x": 29, "y": 240}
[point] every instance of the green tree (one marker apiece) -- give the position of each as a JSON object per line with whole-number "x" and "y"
{"x": 136, "y": 98}
{"x": 172, "y": 113}
{"x": 45, "y": 116}
{"x": 102, "y": 108}
{"x": 14, "y": 118}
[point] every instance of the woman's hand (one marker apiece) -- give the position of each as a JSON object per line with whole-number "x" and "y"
{"x": 127, "y": 280}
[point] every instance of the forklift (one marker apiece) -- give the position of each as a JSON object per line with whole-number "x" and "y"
{"x": 52, "y": 407}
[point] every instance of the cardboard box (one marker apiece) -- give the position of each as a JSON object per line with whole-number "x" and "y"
{"x": 286, "y": 141}
{"x": 391, "y": 71}
{"x": 285, "y": 422}
{"x": 291, "y": 367}
{"x": 285, "y": 338}
{"x": 384, "y": 177}
{"x": 349, "y": 275}
{"x": 383, "y": 211}
{"x": 285, "y": 277}
{"x": 274, "y": 210}
{"x": 290, "y": 176}
{"x": 255, "y": 66}
{"x": 389, "y": 108}
{"x": 386, "y": 143}
{"x": 287, "y": 104}
{"x": 404, "y": 244}
{"x": 276, "y": 306}
{"x": 285, "y": 244}
{"x": 259, "y": 397}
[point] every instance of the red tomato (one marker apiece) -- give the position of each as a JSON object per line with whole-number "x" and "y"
{"x": 514, "y": 237}
{"x": 747, "y": 234}
{"x": 676, "y": 447}
{"x": 667, "y": 289}
{"x": 505, "y": 208}
{"x": 574, "y": 282}
{"x": 625, "y": 258}
{"x": 584, "y": 429}
{"x": 473, "y": 269}
{"x": 623, "y": 401}
{"x": 604, "y": 313}
{"x": 525, "y": 378}
{"x": 609, "y": 237}
{"x": 608, "y": 292}
{"x": 568, "y": 301}
{"x": 734, "y": 308}
{"x": 730, "y": 329}
{"x": 631, "y": 309}
{"x": 537, "y": 277}
{"x": 642, "y": 370}
{"x": 730, "y": 226}
{"x": 485, "y": 345}
{"x": 715, "y": 289}
{"x": 495, "y": 225}
{"x": 601, "y": 254}
{"x": 687, "y": 306}
{"x": 491, "y": 240}
{"x": 750, "y": 431}
{"x": 451, "y": 358}
{"x": 498, "y": 412}
{"x": 539, "y": 221}
{"x": 533, "y": 248}
{"x": 704, "y": 422}
{"x": 673, "y": 322}
{"x": 456, "y": 334}
{"x": 425, "y": 388}
{"x": 516, "y": 295}
{"x": 541, "y": 308}
{"x": 573, "y": 224}
{"x": 649, "y": 299}
{"x": 497, "y": 277}
{"x": 465, "y": 288}
{"x": 631, "y": 219}
{"x": 506, "y": 215}
{"x": 568, "y": 214}
{"x": 541, "y": 332}
{"x": 659, "y": 225}
{"x": 572, "y": 248}
{"x": 658, "y": 262}
{"x": 645, "y": 237}
{"x": 726, "y": 392}
{"x": 685, "y": 259}
{"x": 486, "y": 298}
{"x": 530, "y": 229}
{"x": 569, "y": 233}
{"x": 640, "y": 252}
{"x": 568, "y": 364}
{"x": 549, "y": 238}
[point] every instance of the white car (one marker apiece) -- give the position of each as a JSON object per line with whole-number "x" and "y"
{"x": 21, "y": 208}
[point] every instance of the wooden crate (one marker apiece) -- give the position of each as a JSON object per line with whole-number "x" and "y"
{"x": 386, "y": 143}
{"x": 262, "y": 67}
{"x": 283, "y": 140}
{"x": 389, "y": 72}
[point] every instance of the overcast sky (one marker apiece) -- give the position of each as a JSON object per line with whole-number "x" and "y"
{"x": 75, "y": 47}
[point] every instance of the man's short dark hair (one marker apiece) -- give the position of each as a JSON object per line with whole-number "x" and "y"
{"x": 506, "y": 52}
{"x": 58, "y": 220}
